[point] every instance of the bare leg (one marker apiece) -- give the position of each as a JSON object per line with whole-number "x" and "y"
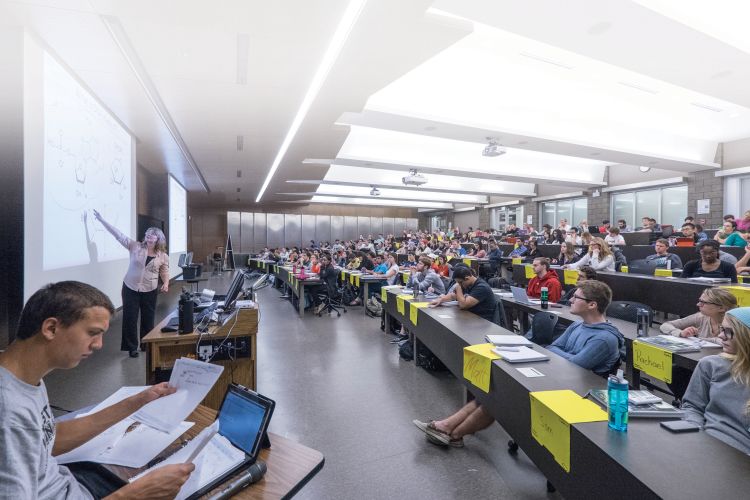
{"x": 478, "y": 420}
{"x": 448, "y": 425}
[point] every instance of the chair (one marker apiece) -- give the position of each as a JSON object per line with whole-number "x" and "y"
{"x": 543, "y": 328}
{"x": 642, "y": 266}
{"x": 667, "y": 230}
{"x": 332, "y": 297}
{"x": 499, "y": 318}
{"x": 628, "y": 311}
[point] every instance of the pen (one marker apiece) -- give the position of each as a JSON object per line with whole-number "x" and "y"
{"x": 130, "y": 428}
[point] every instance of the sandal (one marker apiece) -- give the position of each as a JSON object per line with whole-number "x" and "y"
{"x": 434, "y": 435}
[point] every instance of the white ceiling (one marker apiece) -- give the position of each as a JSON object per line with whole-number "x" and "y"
{"x": 568, "y": 87}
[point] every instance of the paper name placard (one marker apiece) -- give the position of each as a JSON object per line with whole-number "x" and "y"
{"x": 652, "y": 360}
{"x": 413, "y": 308}
{"x": 516, "y": 260}
{"x": 467, "y": 262}
{"x": 740, "y": 292}
{"x": 552, "y": 412}
{"x": 400, "y": 302}
{"x": 478, "y": 365}
{"x": 529, "y": 271}
{"x": 570, "y": 276}
{"x": 663, "y": 272}
{"x": 384, "y": 295}
{"x": 405, "y": 277}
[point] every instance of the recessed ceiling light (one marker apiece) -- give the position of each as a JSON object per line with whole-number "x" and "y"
{"x": 644, "y": 169}
{"x": 595, "y": 153}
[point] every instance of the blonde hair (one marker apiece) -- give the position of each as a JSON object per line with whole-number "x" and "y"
{"x": 741, "y": 363}
{"x": 721, "y": 297}
{"x": 161, "y": 240}
{"x": 604, "y": 248}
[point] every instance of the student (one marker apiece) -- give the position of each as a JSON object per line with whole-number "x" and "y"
{"x": 544, "y": 277}
{"x": 599, "y": 257}
{"x": 702, "y": 236}
{"x": 558, "y": 236}
{"x": 423, "y": 277}
{"x": 743, "y": 265}
{"x": 441, "y": 267}
{"x": 646, "y": 226}
{"x": 389, "y": 272}
{"x": 662, "y": 258}
{"x": 614, "y": 238}
{"x": 712, "y": 305}
{"x": 495, "y": 256}
{"x": 730, "y": 236}
{"x": 688, "y": 231}
{"x": 743, "y": 224}
{"x": 531, "y": 252}
{"x": 585, "y": 273}
{"x": 592, "y": 343}
{"x": 61, "y": 325}
{"x": 719, "y": 390}
{"x": 604, "y": 228}
{"x": 623, "y": 226}
{"x": 411, "y": 260}
{"x": 568, "y": 255}
{"x": 572, "y": 236}
{"x": 563, "y": 225}
{"x": 586, "y": 238}
{"x": 471, "y": 293}
{"x": 709, "y": 265}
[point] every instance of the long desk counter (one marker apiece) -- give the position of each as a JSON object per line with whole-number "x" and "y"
{"x": 296, "y": 285}
{"x": 645, "y": 462}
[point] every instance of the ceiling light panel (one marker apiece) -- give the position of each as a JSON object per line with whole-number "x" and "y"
{"x": 380, "y": 202}
{"x": 388, "y": 146}
{"x": 404, "y": 194}
{"x": 485, "y": 81}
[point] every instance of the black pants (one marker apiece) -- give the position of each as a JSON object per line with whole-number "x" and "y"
{"x": 99, "y": 481}
{"x": 132, "y": 303}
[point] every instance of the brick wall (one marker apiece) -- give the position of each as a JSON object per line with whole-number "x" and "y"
{"x": 704, "y": 185}
{"x": 598, "y": 208}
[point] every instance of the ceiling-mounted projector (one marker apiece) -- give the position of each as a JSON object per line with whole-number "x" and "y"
{"x": 493, "y": 148}
{"x": 374, "y": 191}
{"x": 414, "y": 179}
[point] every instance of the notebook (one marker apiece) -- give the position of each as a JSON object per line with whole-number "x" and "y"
{"x": 519, "y": 295}
{"x": 508, "y": 340}
{"x": 521, "y": 354}
{"x": 243, "y": 420}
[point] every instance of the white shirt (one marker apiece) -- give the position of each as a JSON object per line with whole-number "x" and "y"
{"x": 614, "y": 240}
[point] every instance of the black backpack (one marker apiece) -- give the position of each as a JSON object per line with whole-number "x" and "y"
{"x": 425, "y": 358}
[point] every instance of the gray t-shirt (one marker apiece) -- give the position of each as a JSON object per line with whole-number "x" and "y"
{"x": 27, "y": 434}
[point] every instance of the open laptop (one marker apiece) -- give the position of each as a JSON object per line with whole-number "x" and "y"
{"x": 519, "y": 295}
{"x": 243, "y": 419}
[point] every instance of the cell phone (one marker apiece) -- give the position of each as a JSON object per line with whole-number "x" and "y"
{"x": 679, "y": 426}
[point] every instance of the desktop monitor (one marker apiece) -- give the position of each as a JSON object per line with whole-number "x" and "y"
{"x": 234, "y": 290}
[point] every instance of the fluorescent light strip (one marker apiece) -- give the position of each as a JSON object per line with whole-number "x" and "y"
{"x": 122, "y": 41}
{"x": 379, "y": 202}
{"x": 334, "y": 48}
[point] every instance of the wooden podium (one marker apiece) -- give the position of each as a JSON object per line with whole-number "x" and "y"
{"x": 239, "y": 328}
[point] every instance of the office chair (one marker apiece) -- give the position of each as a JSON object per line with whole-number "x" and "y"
{"x": 332, "y": 296}
{"x": 667, "y": 230}
{"x": 542, "y": 328}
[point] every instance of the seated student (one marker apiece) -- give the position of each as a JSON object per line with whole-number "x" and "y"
{"x": 662, "y": 258}
{"x": 495, "y": 256}
{"x": 568, "y": 255}
{"x": 729, "y": 235}
{"x": 702, "y": 236}
{"x": 719, "y": 390}
{"x": 709, "y": 265}
{"x": 622, "y": 225}
{"x": 592, "y": 343}
{"x": 531, "y": 251}
{"x": 411, "y": 260}
{"x": 481, "y": 253}
{"x": 471, "y": 293}
{"x": 688, "y": 231}
{"x": 585, "y": 273}
{"x": 572, "y": 236}
{"x": 743, "y": 224}
{"x": 389, "y": 273}
{"x": 586, "y": 238}
{"x": 599, "y": 257}
{"x": 60, "y": 325}
{"x": 544, "y": 277}
{"x": 604, "y": 228}
{"x": 646, "y": 226}
{"x": 614, "y": 237}
{"x": 441, "y": 267}
{"x": 743, "y": 265}
{"x": 425, "y": 278}
{"x": 314, "y": 265}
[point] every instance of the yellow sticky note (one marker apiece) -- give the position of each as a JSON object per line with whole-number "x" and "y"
{"x": 448, "y": 258}
{"x": 516, "y": 260}
{"x": 413, "y": 310}
{"x": 478, "y": 365}
{"x": 743, "y": 279}
{"x": 400, "y": 302}
{"x": 570, "y": 276}
{"x": 405, "y": 278}
{"x": 663, "y": 272}
{"x": 653, "y": 360}
{"x": 467, "y": 262}
{"x": 742, "y": 293}
{"x": 356, "y": 280}
{"x": 529, "y": 271}
{"x": 351, "y": 279}
{"x": 552, "y": 412}
{"x": 623, "y": 269}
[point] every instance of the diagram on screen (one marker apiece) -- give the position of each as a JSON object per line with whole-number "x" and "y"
{"x": 87, "y": 166}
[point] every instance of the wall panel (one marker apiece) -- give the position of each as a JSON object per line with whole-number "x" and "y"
{"x": 259, "y": 232}
{"x": 292, "y": 230}
{"x": 412, "y": 224}
{"x": 350, "y": 228}
{"x": 363, "y": 226}
{"x": 388, "y": 226}
{"x": 323, "y": 228}
{"x": 246, "y": 232}
{"x": 337, "y": 228}
{"x": 376, "y": 226}
{"x": 275, "y": 230}
{"x": 400, "y": 225}
{"x": 233, "y": 230}
{"x": 308, "y": 229}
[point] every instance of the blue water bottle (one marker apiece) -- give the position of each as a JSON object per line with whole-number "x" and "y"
{"x": 617, "y": 399}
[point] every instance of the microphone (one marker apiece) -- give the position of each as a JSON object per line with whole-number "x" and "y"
{"x": 254, "y": 474}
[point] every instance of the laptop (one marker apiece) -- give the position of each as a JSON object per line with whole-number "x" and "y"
{"x": 684, "y": 242}
{"x": 520, "y": 296}
{"x": 243, "y": 420}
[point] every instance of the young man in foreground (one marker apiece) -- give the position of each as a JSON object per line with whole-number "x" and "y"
{"x": 60, "y": 325}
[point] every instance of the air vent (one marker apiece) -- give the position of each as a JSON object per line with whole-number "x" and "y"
{"x": 239, "y": 189}
{"x": 240, "y": 143}
{"x": 239, "y": 173}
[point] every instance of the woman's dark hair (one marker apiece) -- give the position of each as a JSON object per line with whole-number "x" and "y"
{"x": 66, "y": 300}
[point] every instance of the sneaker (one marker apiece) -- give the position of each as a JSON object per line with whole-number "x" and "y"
{"x": 320, "y": 308}
{"x": 453, "y": 443}
{"x": 428, "y": 428}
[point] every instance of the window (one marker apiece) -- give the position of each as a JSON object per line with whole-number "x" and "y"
{"x": 666, "y": 205}
{"x": 574, "y": 210}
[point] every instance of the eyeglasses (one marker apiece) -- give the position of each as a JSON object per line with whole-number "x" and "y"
{"x": 727, "y": 332}
{"x": 703, "y": 303}
{"x": 576, "y": 297}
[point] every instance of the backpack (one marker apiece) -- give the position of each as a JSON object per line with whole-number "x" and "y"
{"x": 429, "y": 361}
{"x": 406, "y": 350}
{"x": 374, "y": 307}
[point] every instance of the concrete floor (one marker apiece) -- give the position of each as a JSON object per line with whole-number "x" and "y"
{"x": 341, "y": 388}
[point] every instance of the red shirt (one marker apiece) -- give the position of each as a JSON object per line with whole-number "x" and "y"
{"x": 551, "y": 281}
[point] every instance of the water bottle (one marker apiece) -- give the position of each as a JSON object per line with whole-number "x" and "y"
{"x": 294, "y": 269}
{"x": 669, "y": 263}
{"x": 185, "y": 313}
{"x": 641, "y": 323}
{"x": 545, "y": 297}
{"x": 415, "y": 290}
{"x": 617, "y": 402}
